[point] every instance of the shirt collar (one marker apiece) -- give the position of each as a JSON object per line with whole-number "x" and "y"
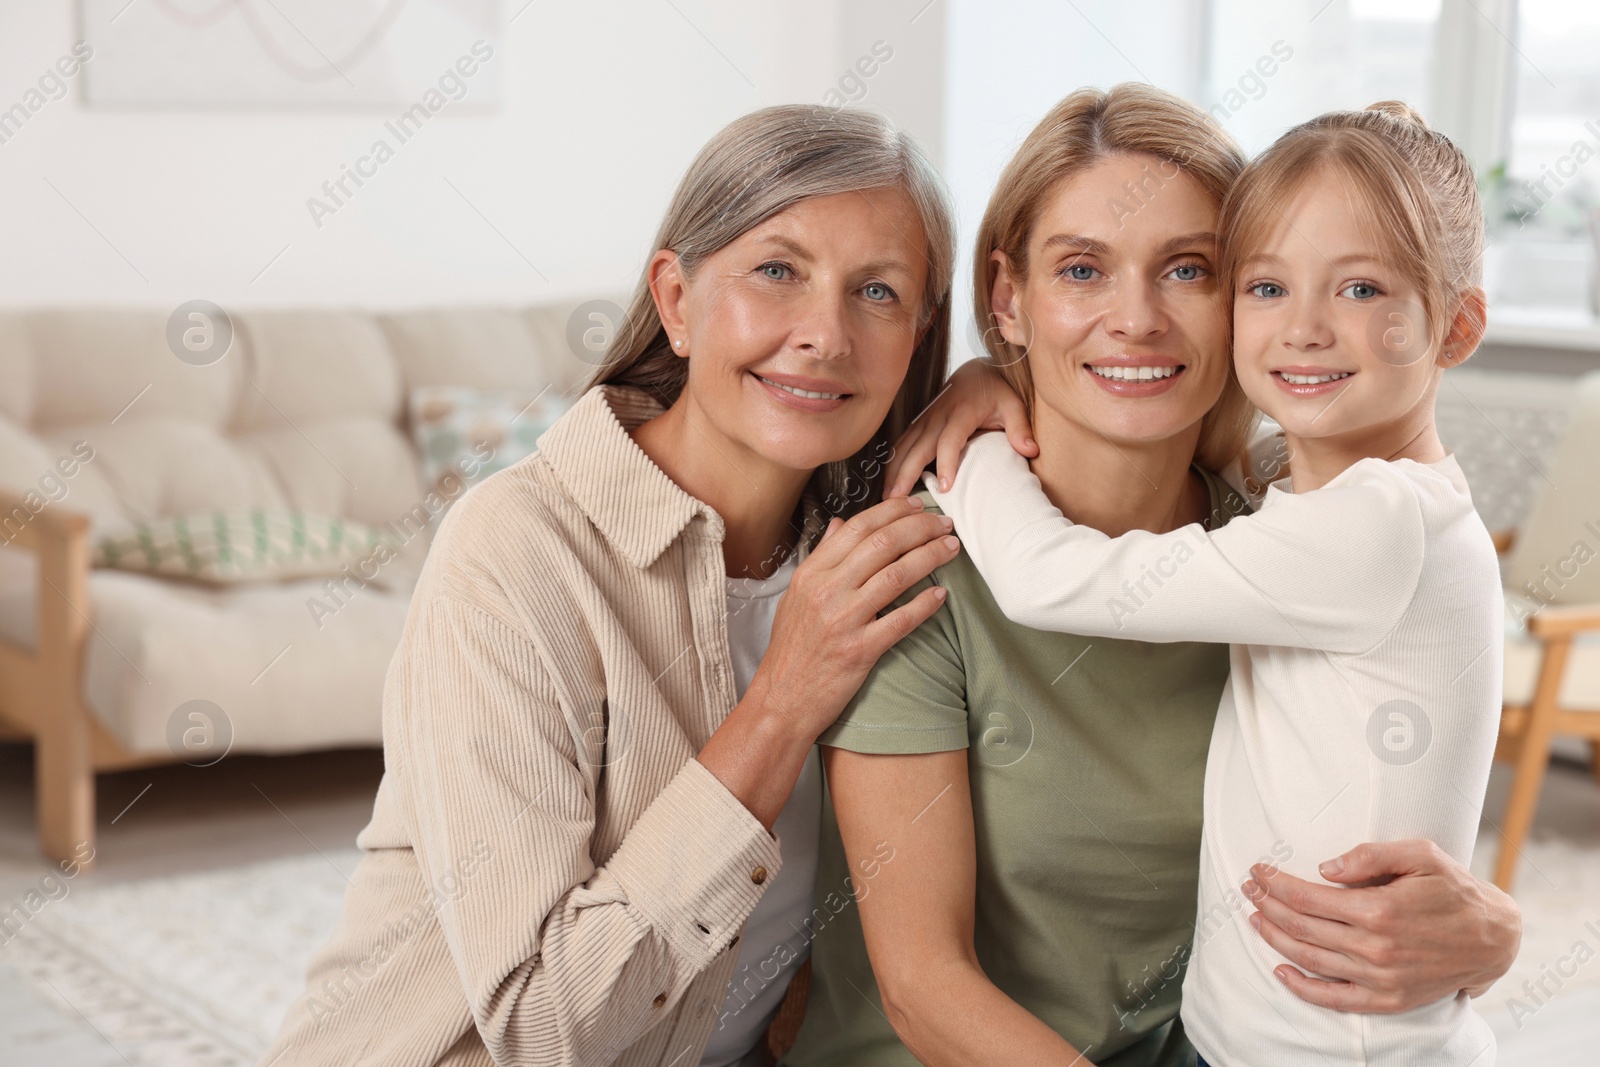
{"x": 630, "y": 500}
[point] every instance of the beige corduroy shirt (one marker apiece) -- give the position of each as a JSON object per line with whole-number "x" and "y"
{"x": 550, "y": 876}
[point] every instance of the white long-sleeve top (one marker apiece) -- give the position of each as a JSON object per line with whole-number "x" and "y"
{"x": 1362, "y": 705}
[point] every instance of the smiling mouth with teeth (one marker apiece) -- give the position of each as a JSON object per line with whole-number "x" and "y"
{"x": 808, "y": 394}
{"x": 1311, "y": 379}
{"x": 1134, "y": 374}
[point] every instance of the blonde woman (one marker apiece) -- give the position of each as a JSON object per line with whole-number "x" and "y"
{"x": 1370, "y": 557}
{"x": 1041, "y": 792}
{"x": 600, "y": 790}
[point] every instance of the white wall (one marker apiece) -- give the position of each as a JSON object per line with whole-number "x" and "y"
{"x": 604, "y": 106}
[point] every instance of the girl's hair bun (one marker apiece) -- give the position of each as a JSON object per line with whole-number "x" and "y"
{"x": 1399, "y": 109}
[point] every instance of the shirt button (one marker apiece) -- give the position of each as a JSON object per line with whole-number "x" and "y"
{"x": 661, "y": 998}
{"x": 758, "y": 875}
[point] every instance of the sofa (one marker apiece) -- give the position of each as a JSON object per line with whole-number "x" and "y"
{"x": 104, "y": 426}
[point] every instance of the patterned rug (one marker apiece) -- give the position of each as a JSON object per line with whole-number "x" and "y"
{"x": 198, "y": 970}
{"x": 190, "y": 971}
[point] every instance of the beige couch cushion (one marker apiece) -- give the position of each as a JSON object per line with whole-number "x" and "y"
{"x": 1580, "y": 684}
{"x": 303, "y": 413}
{"x": 32, "y": 466}
{"x": 315, "y": 365}
{"x": 89, "y": 364}
{"x": 158, "y": 644}
{"x": 488, "y": 348}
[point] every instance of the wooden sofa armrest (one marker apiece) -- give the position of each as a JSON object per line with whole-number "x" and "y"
{"x": 21, "y": 527}
{"x": 1555, "y": 623}
{"x": 41, "y": 693}
{"x": 1503, "y": 540}
{"x": 61, "y": 539}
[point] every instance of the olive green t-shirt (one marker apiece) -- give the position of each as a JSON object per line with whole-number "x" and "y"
{"x": 1086, "y": 757}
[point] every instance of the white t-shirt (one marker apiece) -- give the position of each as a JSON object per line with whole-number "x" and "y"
{"x": 1365, "y": 620}
{"x": 773, "y": 944}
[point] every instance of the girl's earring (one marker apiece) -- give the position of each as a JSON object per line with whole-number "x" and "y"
{"x": 678, "y": 343}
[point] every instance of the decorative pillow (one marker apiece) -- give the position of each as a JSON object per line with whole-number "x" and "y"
{"x": 466, "y": 434}
{"x": 258, "y": 545}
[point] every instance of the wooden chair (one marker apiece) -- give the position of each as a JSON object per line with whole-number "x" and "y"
{"x": 1553, "y": 665}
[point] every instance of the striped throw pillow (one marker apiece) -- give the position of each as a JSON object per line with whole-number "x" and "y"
{"x": 229, "y": 547}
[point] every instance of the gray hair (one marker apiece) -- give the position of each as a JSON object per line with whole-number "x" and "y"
{"x": 755, "y": 167}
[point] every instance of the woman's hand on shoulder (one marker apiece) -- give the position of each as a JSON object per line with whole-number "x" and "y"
{"x": 827, "y": 634}
{"x": 826, "y": 637}
{"x": 975, "y": 398}
{"x": 1407, "y": 925}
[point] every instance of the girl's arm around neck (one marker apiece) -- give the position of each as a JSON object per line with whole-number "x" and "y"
{"x": 1331, "y": 570}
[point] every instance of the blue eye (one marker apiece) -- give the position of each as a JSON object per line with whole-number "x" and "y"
{"x": 1187, "y": 272}
{"x": 1267, "y": 290}
{"x": 877, "y": 291}
{"x": 769, "y": 268}
{"x": 1080, "y": 272}
{"x": 1361, "y": 290}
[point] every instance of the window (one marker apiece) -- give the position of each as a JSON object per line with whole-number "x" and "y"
{"x": 1555, "y": 129}
{"x": 1515, "y": 83}
{"x": 1542, "y": 199}
{"x": 1341, "y": 54}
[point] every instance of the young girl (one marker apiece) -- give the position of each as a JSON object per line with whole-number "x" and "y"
{"x": 1362, "y": 598}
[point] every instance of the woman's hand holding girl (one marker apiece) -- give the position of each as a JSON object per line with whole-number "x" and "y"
{"x": 1405, "y": 926}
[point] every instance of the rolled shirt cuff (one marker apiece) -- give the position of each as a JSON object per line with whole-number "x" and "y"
{"x": 696, "y": 863}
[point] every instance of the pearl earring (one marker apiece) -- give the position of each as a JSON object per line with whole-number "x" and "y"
{"x": 678, "y": 343}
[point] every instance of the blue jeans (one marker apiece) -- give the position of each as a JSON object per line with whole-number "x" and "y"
{"x": 1200, "y": 1061}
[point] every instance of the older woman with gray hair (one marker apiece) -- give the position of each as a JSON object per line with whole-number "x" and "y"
{"x": 601, "y": 789}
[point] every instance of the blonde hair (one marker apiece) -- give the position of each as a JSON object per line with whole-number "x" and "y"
{"x": 1088, "y": 126}
{"x": 755, "y": 167}
{"x": 1414, "y": 186}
